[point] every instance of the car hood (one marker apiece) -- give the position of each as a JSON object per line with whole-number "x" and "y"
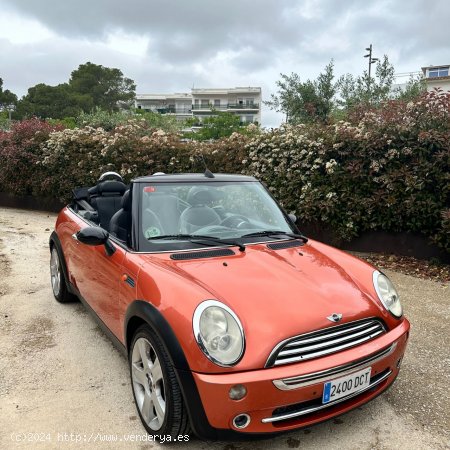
{"x": 279, "y": 293}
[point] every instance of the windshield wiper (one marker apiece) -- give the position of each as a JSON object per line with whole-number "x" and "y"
{"x": 274, "y": 233}
{"x": 197, "y": 238}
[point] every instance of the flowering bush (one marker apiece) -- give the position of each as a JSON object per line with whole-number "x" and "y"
{"x": 132, "y": 149}
{"x": 387, "y": 170}
{"x": 384, "y": 169}
{"x": 20, "y": 152}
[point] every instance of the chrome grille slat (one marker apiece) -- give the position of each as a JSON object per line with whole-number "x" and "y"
{"x": 328, "y": 335}
{"x": 325, "y": 341}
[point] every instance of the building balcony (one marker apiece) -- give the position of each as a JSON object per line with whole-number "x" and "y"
{"x": 226, "y": 107}
{"x": 174, "y": 110}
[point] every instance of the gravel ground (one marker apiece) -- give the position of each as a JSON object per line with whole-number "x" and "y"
{"x": 60, "y": 374}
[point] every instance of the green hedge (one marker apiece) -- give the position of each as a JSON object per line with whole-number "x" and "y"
{"x": 385, "y": 169}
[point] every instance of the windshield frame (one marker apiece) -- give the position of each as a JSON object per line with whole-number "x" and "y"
{"x": 172, "y": 246}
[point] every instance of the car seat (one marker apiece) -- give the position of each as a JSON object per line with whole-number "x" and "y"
{"x": 120, "y": 224}
{"x": 161, "y": 214}
{"x": 106, "y": 198}
{"x": 199, "y": 214}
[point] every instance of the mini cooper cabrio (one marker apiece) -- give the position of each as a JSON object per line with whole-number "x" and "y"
{"x": 233, "y": 322}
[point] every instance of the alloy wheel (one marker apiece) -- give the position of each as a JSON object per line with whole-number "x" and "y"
{"x": 148, "y": 383}
{"x": 55, "y": 272}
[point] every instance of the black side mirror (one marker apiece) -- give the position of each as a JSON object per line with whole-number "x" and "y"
{"x": 96, "y": 236}
{"x": 293, "y": 217}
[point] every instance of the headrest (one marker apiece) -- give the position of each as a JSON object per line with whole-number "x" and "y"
{"x": 125, "y": 203}
{"x": 157, "y": 200}
{"x": 109, "y": 187}
{"x": 199, "y": 195}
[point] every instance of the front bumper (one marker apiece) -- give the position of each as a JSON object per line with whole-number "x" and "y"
{"x": 288, "y": 397}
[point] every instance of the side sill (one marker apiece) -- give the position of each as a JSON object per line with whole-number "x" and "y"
{"x": 115, "y": 341}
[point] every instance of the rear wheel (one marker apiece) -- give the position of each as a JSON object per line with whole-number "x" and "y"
{"x": 156, "y": 391}
{"x": 57, "y": 279}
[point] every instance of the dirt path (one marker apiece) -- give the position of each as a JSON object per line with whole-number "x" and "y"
{"x": 60, "y": 374}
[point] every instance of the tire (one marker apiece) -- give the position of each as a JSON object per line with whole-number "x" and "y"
{"x": 156, "y": 391}
{"x": 57, "y": 279}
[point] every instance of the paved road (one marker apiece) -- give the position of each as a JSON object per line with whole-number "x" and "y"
{"x": 60, "y": 374}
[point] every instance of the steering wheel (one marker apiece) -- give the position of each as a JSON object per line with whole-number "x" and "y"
{"x": 235, "y": 221}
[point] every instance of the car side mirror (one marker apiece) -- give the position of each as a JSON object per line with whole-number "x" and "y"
{"x": 293, "y": 218}
{"x": 96, "y": 236}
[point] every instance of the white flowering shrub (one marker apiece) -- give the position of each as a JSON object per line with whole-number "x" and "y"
{"x": 387, "y": 169}
{"x": 384, "y": 169}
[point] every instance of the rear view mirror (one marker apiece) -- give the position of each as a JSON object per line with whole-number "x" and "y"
{"x": 95, "y": 236}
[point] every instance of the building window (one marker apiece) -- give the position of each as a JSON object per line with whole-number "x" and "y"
{"x": 249, "y": 101}
{"x": 248, "y": 119}
{"x": 216, "y": 102}
{"x": 438, "y": 72}
{"x": 205, "y": 103}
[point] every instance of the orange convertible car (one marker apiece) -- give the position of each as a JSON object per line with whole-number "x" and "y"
{"x": 233, "y": 322}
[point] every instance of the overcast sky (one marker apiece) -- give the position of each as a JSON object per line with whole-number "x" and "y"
{"x": 171, "y": 45}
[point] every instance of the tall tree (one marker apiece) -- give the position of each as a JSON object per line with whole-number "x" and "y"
{"x": 7, "y": 97}
{"x": 415, "y": 87}
{"x": 107, "y": 87}
{"x": 364, "y": 90}
{"x": 54, "y": 102}
{"x": 312, "y": 100}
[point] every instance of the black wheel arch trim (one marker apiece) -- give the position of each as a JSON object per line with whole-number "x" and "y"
{"x": 199, "y": 422}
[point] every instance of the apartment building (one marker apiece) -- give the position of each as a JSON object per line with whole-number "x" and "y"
{"x": 437, "y": 77}
{"x": 179, "y": 104}
{"x": 200, "y": 103}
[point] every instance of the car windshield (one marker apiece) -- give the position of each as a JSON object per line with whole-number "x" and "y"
{"x": 173, "y": 215}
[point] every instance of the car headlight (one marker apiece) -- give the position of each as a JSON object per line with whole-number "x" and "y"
{"x": 387, "y": 294}
{"x": 218, "y": 332}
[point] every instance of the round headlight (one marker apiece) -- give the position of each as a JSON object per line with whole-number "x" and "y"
{"x": 387, "y": 294}
{"x": 218, "y": 332}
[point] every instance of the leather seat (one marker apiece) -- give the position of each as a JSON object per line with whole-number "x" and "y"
{"x": 161, "y": 213}
{"x": 120, "y": 224}
{"x": 199, "y": 214}
{"x": 106, "y": 198}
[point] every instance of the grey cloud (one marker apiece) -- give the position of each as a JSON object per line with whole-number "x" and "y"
{"x": 230, "y": 42}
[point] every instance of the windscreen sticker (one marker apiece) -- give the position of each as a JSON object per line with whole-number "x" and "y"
{"x": 149, "y": 189}
{"x": 152, "y": 232}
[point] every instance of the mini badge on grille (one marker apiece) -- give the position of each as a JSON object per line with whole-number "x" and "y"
{"x": 335, "y": 317}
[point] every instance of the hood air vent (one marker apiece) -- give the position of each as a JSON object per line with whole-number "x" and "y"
{"x": 205, "y": 254}
{"x": 285, "y": 244}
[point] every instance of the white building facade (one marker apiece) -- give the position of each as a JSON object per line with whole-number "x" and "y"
{"x": 200, "y": 103}
{"x": 437, "y": 77}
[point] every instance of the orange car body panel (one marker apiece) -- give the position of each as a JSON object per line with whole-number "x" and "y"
{"x": 276, "y": 295}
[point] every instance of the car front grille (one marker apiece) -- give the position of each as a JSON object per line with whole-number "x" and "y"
{"x": 325, "y": 341}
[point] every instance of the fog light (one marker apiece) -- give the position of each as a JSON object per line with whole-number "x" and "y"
{"x": 237, "y": 392}
{"x": 241, "y": 421}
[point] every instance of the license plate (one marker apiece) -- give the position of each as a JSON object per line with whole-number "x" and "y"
{"x": 341, "y": 387}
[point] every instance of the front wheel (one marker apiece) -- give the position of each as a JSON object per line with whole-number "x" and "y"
{"x": 57, "y": 279}
{"x": 156, "y": 391}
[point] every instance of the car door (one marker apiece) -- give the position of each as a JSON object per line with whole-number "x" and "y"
{"x": 97, "y": 277}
